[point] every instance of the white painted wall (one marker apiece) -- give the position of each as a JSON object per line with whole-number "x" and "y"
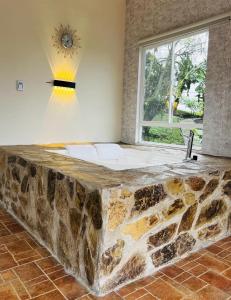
{"x": 26, "y": 52}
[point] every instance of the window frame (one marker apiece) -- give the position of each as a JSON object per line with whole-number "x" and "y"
{"x": 141, "y": 84}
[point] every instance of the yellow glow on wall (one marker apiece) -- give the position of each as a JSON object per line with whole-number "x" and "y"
{"x": 63, "y": 94}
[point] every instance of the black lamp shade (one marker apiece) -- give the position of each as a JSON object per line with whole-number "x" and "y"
{"x": 65, "y": 84}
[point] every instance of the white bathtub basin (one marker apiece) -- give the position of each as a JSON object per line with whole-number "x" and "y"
{"x": 134, "y": 158}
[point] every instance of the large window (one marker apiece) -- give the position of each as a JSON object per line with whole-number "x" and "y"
{"x": 172, "y": 89}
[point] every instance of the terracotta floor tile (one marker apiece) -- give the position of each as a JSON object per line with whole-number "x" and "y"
{"x": 6, "y": 261}
{"x": 188, "y": 266}
{"x": 163, "y": 290}
{"x": 182, "y": 277}
{"x": 211, "y": 293}
{"x": 28, "y": 271}
{"x": 146, "y": 281}
{"x": 54, "y": 269}
{"x": 55, "y": 295}
{"x": 57, "y": 274}
{"x": 29, "y": 260}
{"x": 172, "y": 271}
{"x": 227, "y": 273}
{"x": 227, "y": 259}
{"x": 217, "y": 280}
{"x": 148, "y": 297}
{"x": 8, "y": 239}
{"x": 194, "y": 284}
{"x": 212, "y": 263}
{"x": 70, "y": 287}
{"x": 41, "y": 288}
{"x": 111, "y": 296}
{"x": 7, "y": 293}
{"x": 179, "y": 287}
{"x": 36, "y": 280}
{"x": 214, "y": 249}
{"x": 15, "y": 228}
{"x": 128, "y": 289}
{"x": 223, "y": 254}
{"x": 47, "y": 263}
{"x": 8, "y": 275}
{"x": 3, "y": 249}
{"x": 43, "y": 251}
{"x": 135, "y": 295}
{"x": 198, "y": 270}
{"x": 20, "y": 289}
{"x": 17, "y": 248}
{"x": 26, "y": 254}
{"x": 4, "y": 232}
{"x": 85, "y": 298}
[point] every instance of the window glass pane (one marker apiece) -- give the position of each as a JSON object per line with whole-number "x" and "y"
{"x": 190, "y": 56}
{"x": 167, "y": 135}
{"x": 157, "y": 83}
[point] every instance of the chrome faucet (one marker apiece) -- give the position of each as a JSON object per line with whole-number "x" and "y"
{"x": 190, "y": 145}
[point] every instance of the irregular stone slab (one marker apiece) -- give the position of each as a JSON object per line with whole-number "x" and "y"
{"x": 196, "y": 183}
{"x": 24, "y": 185}
{"x": 209, "y": 232}
{"x": 94, "y": 208}
{"x": 75, "y": 222}
{"x": 227, "y": 175}
{"x": 16, "y": 174}
{"x": 139, "y": 228}
{"x": 188, "y": 218}
{"x": 61, "y": 202}
{"x": 33, "y": 171}
{"x": 133, "y": 268}
{"x": 22, "y": 162}
{"x": 117, "y": 212}
{"x": 51, "y": 182}
{"x": 211, "y": 211}
{"x": 148, "y": 197}
{"x": 88, "y": 263}
{"x": 112, "y": 257}
{"x": 2, "y": 161}
{"x": 176, "y": 208}
{"x": 227, "y": 189}
{"x": 63, "y": 245}
{"x": 125, "y": 194}
{"x": 229, "y": 223}
{"x": 209, "y": 189}
{"x": 189, "y": 198}
{"x": 93, "y": 239}
{"x": 184, "y": 243}
{"x": 175, "y": 187}
{"x": 162, "y": 237}
{"x": 12, "y": 159}
{"x": 164, "y": 255}
{"x": 80, "y": 195}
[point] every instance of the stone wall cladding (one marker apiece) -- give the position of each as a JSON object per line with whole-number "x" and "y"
{"x": 107, "y": 237}
{"x": 183, "y": 224}
{"x": 60, "y": 212}
{"x": 145, "y": 18}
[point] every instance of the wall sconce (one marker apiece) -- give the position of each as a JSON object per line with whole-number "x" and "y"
{"x": 64, "y": 84}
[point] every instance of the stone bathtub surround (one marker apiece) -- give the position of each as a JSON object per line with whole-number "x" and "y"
{"x": 109, "y": 228}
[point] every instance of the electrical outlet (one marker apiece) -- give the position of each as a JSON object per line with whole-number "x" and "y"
{"x": 19, "y": 86}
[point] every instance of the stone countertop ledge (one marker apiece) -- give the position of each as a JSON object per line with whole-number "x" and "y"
{"x": 101, "y": 177}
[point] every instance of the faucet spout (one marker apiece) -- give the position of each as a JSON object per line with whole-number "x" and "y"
{"x": 190, "y": 145}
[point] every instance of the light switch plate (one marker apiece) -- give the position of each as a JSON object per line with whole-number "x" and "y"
{"x": 19, "y": 86}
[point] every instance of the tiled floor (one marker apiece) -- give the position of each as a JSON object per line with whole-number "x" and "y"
{"x": 27, "y": 271}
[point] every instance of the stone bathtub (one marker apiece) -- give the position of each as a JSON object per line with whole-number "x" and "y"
{"x": 109, "y": 228}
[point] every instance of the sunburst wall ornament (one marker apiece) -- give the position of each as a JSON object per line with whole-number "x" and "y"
{"x": 66, "y": 40}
